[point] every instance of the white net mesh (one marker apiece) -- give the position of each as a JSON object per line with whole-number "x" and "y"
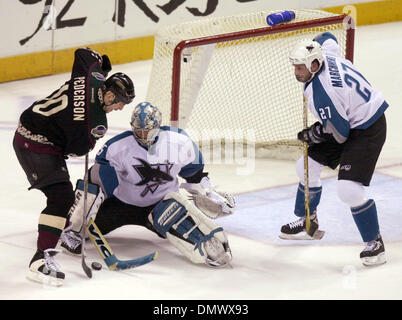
{"x": 245, "y": 84}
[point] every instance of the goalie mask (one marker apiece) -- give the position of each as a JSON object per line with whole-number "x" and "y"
{"x": 145, "y": 122}
{"x": 305, "y": 52}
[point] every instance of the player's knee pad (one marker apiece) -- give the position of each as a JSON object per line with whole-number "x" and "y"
{"x": 314, "y": 172}
{"x": 95, "y": 198}
{"x": 190, "y": 231}
{"x": 351, "y": 193}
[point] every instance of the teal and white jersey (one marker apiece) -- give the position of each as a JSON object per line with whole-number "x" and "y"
{"x": 339, "y": 96}
{"x": 142, "y": 177}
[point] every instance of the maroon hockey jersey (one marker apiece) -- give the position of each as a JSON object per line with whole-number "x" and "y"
{"x": 70, "y": 120}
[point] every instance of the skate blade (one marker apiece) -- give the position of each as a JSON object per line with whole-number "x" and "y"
{"x": 374, "y": 261}
{"x": 44, "y": 279}
{"x": 318, "y": 234}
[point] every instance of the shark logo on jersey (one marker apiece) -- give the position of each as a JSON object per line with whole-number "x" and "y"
{"x": 152, "y": 176}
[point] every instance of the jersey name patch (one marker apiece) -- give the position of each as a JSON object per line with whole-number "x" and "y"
{"x": 79, "y": 99}
{"x": 336, "y": 79}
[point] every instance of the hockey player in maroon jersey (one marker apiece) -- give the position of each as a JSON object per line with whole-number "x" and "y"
{"x": 66, "y": 123}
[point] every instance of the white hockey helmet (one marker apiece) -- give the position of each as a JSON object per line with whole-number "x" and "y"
{"x": 305, "y": 52}
{"x": 145, "y": 122}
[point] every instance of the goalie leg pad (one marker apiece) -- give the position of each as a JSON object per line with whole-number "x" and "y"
{"x": 190, "y": 231}
{"x": 95, "y": 198}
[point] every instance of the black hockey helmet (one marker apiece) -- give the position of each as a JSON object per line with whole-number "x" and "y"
{"x": 121, "y": 85}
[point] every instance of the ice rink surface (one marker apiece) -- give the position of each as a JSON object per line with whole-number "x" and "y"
{"x": 264, "y": 267}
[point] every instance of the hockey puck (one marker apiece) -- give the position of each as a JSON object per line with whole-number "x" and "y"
{"x": 96, "y": 265}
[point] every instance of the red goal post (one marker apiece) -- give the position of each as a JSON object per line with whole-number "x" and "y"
{"x": 200, "y": 97}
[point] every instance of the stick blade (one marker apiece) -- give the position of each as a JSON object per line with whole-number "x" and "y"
{"x": 318, "y": 234}
{"x": 129, "y": 264}
{"x": 114, "y": 264}
{"x": 86, "y": 269}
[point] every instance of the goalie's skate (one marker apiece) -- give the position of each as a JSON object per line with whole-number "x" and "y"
{"x": 374, "y": 253}
{"x": 44, "y": 269}
{"x": 71, "y": 242}
{"x": 216, "y": 254}
{"x": 296, "y": 230}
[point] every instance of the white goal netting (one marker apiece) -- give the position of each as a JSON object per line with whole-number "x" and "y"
{"x": 237, "y": 87}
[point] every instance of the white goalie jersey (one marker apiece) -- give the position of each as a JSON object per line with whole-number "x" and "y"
{"x": 142, "y": 177}
{"x": 339, "y": 95}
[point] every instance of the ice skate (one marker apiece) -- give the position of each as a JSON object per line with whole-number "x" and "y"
{"x": 374, "y": 253}
{"x": 296, "y": 230}
{"x": 44, "y": 269}
{"x": 71, "y": 242}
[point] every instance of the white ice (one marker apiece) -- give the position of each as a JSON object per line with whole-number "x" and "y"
{"x": 264, "y": 267}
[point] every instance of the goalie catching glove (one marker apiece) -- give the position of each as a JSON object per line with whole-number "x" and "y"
{"x": 211, "y": 202}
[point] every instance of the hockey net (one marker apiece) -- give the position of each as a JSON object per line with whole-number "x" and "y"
{"x": 227, "y": 79}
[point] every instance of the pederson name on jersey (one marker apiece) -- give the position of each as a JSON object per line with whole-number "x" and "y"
{"x": 79, "y": 99}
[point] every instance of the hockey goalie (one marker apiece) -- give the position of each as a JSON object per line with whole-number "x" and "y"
{"x": 135, "y": 181}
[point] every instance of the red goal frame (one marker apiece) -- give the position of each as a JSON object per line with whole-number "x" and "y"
{"x": 350, "y": 36}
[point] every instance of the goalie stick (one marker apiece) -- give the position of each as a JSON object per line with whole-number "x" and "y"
{"x": 107, "y": 253}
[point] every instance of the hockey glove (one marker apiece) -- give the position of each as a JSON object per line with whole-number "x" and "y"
{"x": 314, "y": 134}
{"x": 211, "y": 202}
{"x": 106, "y": 65}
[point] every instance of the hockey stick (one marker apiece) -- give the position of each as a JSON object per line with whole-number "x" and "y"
{"x": 85, "y": 267}
{"x": 318, "y": 234}
{"x": 107, "y": 253}
{"x": 306, "y": 176}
